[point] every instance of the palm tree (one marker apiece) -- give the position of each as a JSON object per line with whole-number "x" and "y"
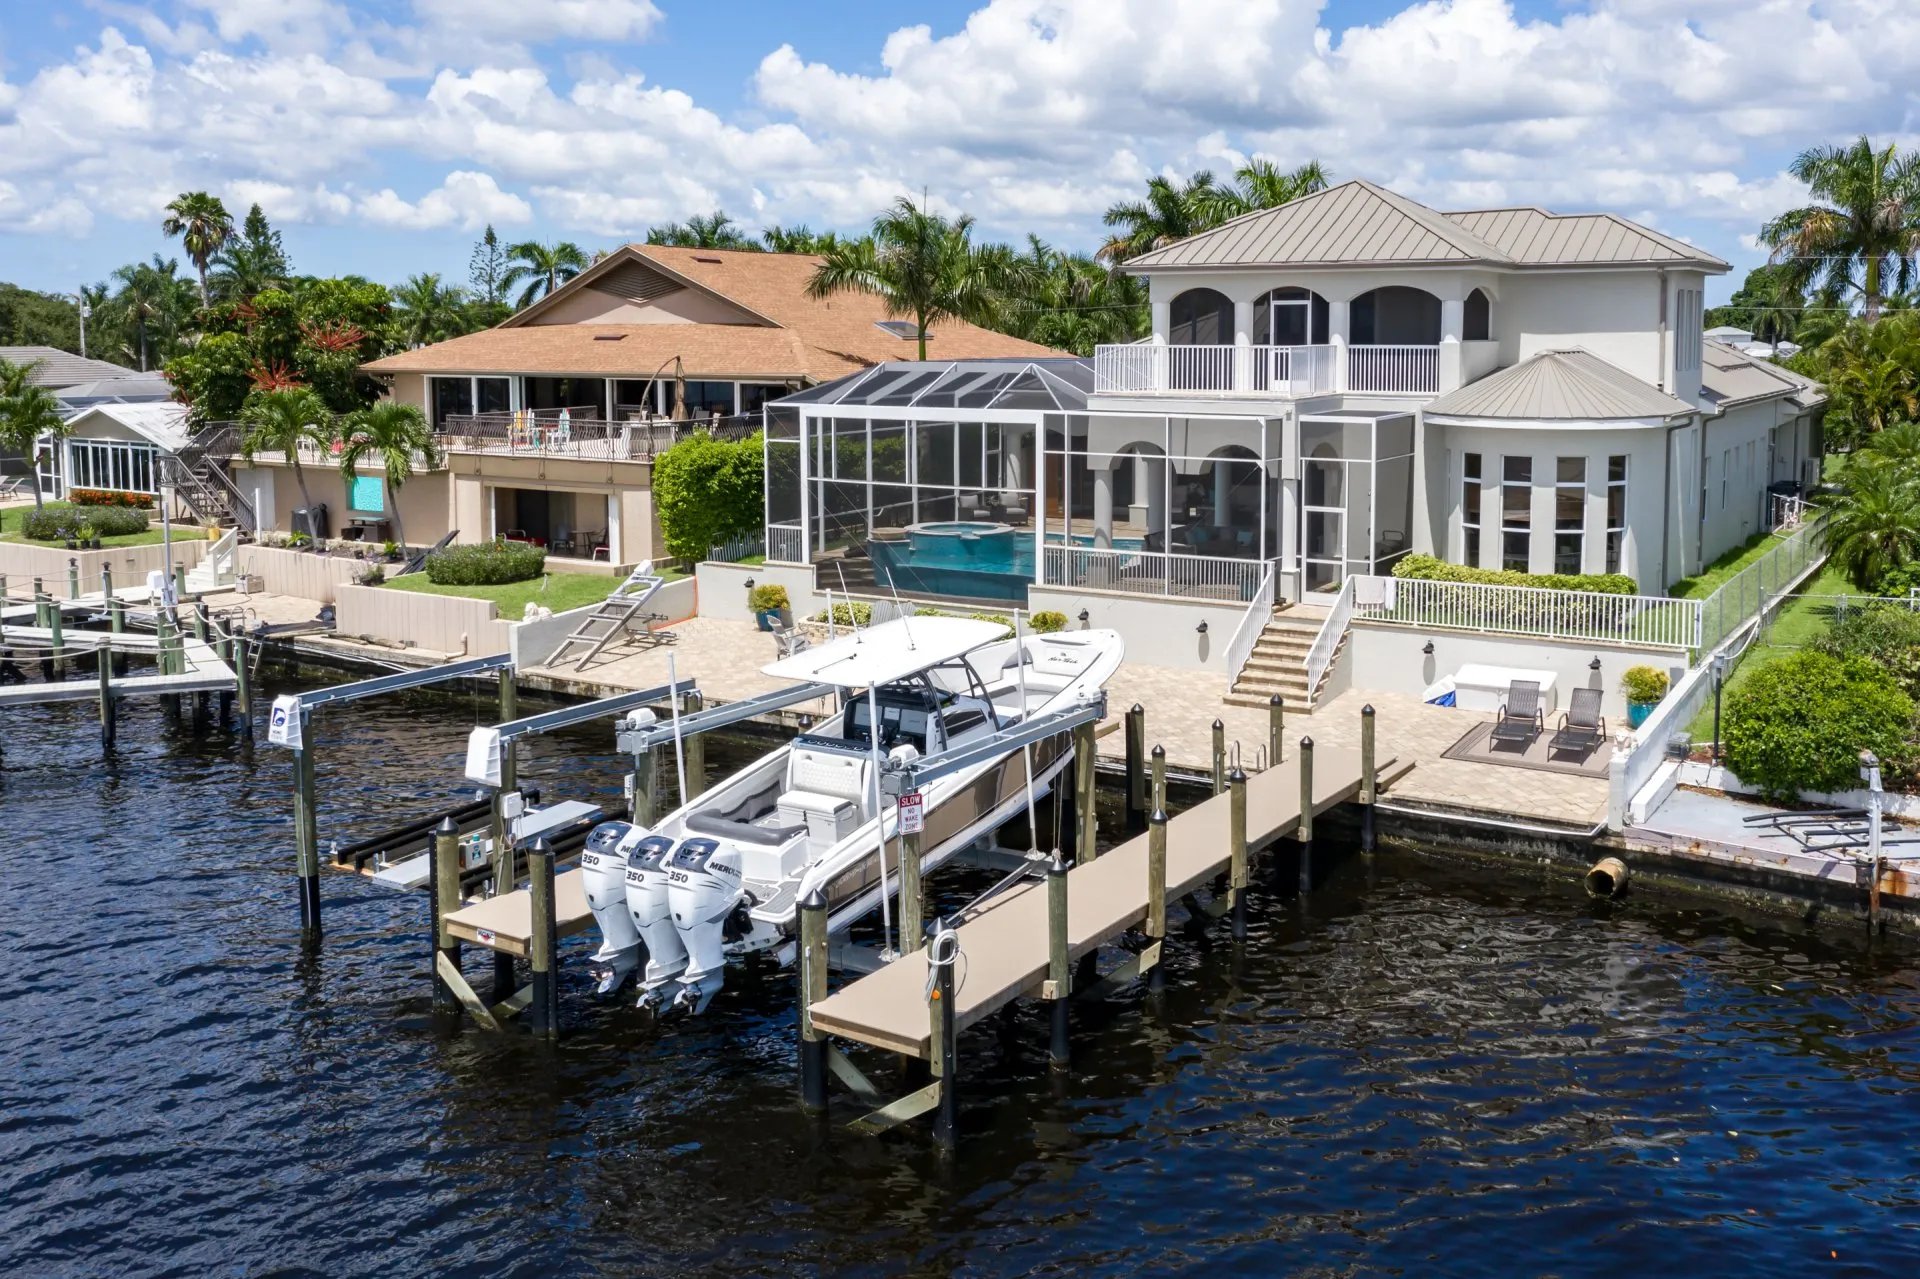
{"x": 203, "y": 225}
{"x": 799, "y": 239}
{"x": 280, "y": 421}
{"x": 28, "y": 413}
{"x": 924, "y": 266}
{"x": 1873, "y": 374}
{"x": 395, "y": 433}
{"x": 150, "y": 298}
{"x": 714, "y": 231}
{"x": 545, "y": 267}
{"x": 1073, "y": 303}
{"x": 428, "y": 310}
{"x": 1868, "y": 227}
{"x": 1873, "y": 523}
{"x": 1259, "y": 184}
{"x": 1172, "y": 211}
{"x": 251, "y": 262}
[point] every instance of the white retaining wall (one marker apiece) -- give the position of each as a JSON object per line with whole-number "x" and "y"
{"x": 1158, "y": 631}
{"x": 1389, "y": 658}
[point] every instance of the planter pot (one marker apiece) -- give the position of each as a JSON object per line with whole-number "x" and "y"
{"x": 766, "y": 618}
{"x": 786, "y": 618}
{"x": 72, "y": 545}
{"x": 1637, "y": 713}
{"x": 94, "y": 544}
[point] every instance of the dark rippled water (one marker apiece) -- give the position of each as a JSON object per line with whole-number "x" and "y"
{"x": 1440, "y": 1071}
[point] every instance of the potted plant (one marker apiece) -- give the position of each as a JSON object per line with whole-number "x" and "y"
{"x": 391, "y": 550}
{"x": 770, "y": 604}
{"x": 1644, "y": 686}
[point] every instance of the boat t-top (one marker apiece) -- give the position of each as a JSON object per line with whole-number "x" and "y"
{"x": 723, "y": 875}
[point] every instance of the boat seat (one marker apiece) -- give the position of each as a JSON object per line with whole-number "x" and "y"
{"x": 800, "y": 801}
{"x": 827, "y": 773}
{"x": 828, "y": 818}
{"x": 743, "y": 832}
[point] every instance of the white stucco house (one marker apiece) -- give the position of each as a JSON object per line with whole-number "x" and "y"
{"x": 1329, "y": 385}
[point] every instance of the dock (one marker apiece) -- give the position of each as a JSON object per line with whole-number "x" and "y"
{"x": 1006, "y": 948}
{"x": 505, "y": 923}
{"x": 204, "y": 670}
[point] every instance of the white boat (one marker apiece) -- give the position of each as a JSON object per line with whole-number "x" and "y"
{"x": 722, "y": 876}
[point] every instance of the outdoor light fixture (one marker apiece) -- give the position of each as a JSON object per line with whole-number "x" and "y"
{"x": 1428, "y": 650}
{"x": 1084, "y": 617}
{"x": 1594, "y": 665}
{"x": 1719, "y": 680}
{"x": 750, "y": 587}
{"x": 1202, "y": 628}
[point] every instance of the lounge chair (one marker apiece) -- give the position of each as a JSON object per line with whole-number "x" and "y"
{"x": 1581, "y": 725}
{"x": 1521, "y": 719}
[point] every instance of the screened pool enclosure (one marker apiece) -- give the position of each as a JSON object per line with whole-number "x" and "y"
{"x": 974, "y": 480}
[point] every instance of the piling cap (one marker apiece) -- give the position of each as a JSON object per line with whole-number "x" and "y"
{"x": 1276, "y": 700}
{"x": 1055, "y": 866}
{"x": 1367, "y": 709}
{"x": 1159, "y": 750}
{"x": 815, "y": 900}
{"x": 1236, "y": 776}
{"x": 1158, "y": 817}
{"x": 1306, "y": 743}
{"x": 446, "y": 827}
{"x": 1219, "y": 724}
{"x": 541, "y": 845}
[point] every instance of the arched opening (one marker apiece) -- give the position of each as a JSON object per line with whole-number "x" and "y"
{"x": 1477, "y": 323}
{"x": 1201, "y": 317}
{"x": 1225, "y": 498}
{"x": 1290, "y": 316}
{"x": 1395, "y": 316}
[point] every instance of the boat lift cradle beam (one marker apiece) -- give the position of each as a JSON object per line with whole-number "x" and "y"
{"x": 901, "y": 777}
{"x": 567, "y": 716}
{"x": 638, "y": 740}
{"x": 404, "y": 679}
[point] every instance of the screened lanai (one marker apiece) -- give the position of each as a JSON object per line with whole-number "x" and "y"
{"x": 975, "y": 479}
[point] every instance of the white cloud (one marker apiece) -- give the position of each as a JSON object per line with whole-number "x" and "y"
{"x": 59, "y": 215}
{"x": 465, "y": 200}
{"x": 540, "y": 21}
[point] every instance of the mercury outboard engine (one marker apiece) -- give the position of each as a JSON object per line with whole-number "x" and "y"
{"x": 603, "y": 873}
{"x": 652, "y": 919}
{"x": 704, "y": 890}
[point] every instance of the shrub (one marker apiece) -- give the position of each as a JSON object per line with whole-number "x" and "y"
{"x": 374, "y": 575}
{"x": 1428, "y": 568}
{"x": 708, "y": 491}
{"x": 486, "y": 564}
{"x": 993, "y": 617}
{"x": 108, "y": 497}
{"x": 770, "y": 598}
{"x": 1643, "y": 683}
{"x": 1888, "y": 635}
{"x": 1047, "y": 621}
{"x": 57, "y": 523}
{"x": 1800, "y": 724}
{"x": 857, "y": 613}
{"x": 1899, "y": 580}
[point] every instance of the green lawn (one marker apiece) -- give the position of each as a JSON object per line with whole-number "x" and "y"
{"x": 1715, "y": 575}
{"x": 557, "y": 591}
{"x": 11, "y": 518}
{"x": 1795, "y": 626}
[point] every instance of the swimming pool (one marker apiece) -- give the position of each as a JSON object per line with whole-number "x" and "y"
{"x": 974, "y": 559}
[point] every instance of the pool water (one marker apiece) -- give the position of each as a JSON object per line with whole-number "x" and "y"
{"x": 968, "y": 559}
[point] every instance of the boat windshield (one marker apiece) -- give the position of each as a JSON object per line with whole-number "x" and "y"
{"x": 904, "y": 717}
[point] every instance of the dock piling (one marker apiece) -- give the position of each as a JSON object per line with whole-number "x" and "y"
{"x": 1157, "y": 782}
{"x": 1237, "y": 850}
{"x": 73, "y": 579}
{"x": 1219, "y": 757}
{"x": 117, "y": 623}
{"x": 644, "y": 781}
{"x": 545, "y": 1004}
{"x": 696, "y": 745}
{"x": 105, "y": 663}
{"x": 243, "y": 685}
{"x": 106, "y": 581}
{"x": 179, "y": 580}
{"x": 1305, "y": 835}
{"x": 812, "y": 969}
{"x": 1059, "y": 977}
{"x": 1086, "y": 838}
{"x": 306, "y": 838}
{"x": 446, "y": 900}
{"x": 1156, "y": 923}
{"x": 503, "y": 876}
{"x": 1136, "y": 732}
{"x": 1367, "y": 775}
{"x": 913, "y": 911}
{"x": 1276, "y": 728}
{"x": 509, "y": 696}
{"x": 55, "y": 624}
{"x": 944, "y": 1058}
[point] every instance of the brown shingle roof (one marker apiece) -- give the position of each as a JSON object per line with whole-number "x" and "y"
{"x": 816, "y": 340}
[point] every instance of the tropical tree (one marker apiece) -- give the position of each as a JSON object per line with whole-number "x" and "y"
{"x": 395, "y": 434}
{"x": 1873, "y": 376}
{"x": 1873, "y": 523}
{"x": 427, "y": 310}
{"x": 1866, "y": 232}
{"x": 28, "y": 413}
{"x": 203, "y": 225}
{"x": 1768, "y": 304}
{"x": 251, "y": 262}
{"x": 280, "y": 420}
{"x": 1261, "y": 184}
{"x": 544, "y": 267}
{"x": 1073, "y": 303}
{"x": 923, "y": 266}
{"x": 1172, "y": 211}
{"x": 154, "y": 302}
{"x": 714, "y": 231}
{"x": 799, "y": 239}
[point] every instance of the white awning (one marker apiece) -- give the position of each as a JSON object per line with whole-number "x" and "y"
{"x": 888, "y": 651}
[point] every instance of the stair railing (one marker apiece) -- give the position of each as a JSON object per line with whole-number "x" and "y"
{"x": 1327, "y": 642}
{"x": 1253, "y": 623}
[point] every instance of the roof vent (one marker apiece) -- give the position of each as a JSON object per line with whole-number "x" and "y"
{"x": 609, "y": 337}
{"x": 905, "y": 330}
{"x": 698, "y": 258}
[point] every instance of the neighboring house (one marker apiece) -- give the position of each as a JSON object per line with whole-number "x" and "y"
{"x": 117, "y": 447}
{"x": 1330, "y": 385}
{"x": 77, "y": 382}
{"x": 551, "y": 420}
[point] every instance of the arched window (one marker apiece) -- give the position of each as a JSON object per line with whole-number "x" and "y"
{"x": 1479, "y": 318}
{"x": 1395, "y": 316}
{"x": 1290, "y": 317}
{"x": 1201, "y": 317}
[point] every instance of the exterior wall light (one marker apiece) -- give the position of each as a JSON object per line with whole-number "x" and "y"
{"x": 1428, "y": 650}
{"x": 750, "y": 587}
{"x": 1202, "y": 628}
{"x": 1594, "y": 665}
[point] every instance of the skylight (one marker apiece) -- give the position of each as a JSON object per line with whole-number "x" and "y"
{"x": 905, "y": 330}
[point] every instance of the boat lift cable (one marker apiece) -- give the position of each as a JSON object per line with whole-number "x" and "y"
{"x": 1026, "y": 750}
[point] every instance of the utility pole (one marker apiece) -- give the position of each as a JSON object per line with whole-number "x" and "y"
{"x": 85, "y": 312}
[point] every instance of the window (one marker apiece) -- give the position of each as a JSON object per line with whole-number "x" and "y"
{"x": 1616, "y": 510}
{"x": 110, "y": 464}
{"x": 1290, "y": 317}
{"x": 1516, "y": 513}
{"x": 452, "y": 396}
{"x": 1470, "y": 507}
{"x": 1478, "y": 325}
{"x": 754, "y": 395}
{"x": 1569, "y": 513}
{"x": 707, "y": 398}
{"x": 495, "y": 394}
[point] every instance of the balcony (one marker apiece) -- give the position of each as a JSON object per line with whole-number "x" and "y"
{"x": 1265, "y": 372}
{"x": 531, "y": 433}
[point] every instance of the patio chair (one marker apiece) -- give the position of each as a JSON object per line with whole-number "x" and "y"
{"x": 1521, "y": 719}
{"x": 1582, "y": 727}
{"x": 790, "y": 641}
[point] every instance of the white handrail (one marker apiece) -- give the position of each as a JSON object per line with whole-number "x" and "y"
{"x": 1548, "y": 613}
{"x": 1156, "y": 367}
{"x": 1394, "y": 370}
{"x": 1327, "y": 642}
{"x": 1151, "y": 572}
{"x": 1252, "y": 623}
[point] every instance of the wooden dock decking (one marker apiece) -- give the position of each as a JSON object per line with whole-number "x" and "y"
{"x": 205, "y": 672}
{"x": 505, "y": 923}
{"x": 1005, "y": 947}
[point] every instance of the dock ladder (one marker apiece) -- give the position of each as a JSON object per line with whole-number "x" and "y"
{"x": 613, "y": 617}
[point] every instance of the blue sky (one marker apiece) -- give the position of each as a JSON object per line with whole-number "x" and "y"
{"x": 380, "y": 137}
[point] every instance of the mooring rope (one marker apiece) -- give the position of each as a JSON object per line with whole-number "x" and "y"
{"x": 942, "y": 952}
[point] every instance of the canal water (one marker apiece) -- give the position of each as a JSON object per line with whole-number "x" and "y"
{"x": 1422, "y": 1070}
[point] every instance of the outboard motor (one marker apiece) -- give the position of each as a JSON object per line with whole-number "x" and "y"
{"x": 704, "y": 890}
{"x": 603, "y": 873}
{"x": 652, "y": 919}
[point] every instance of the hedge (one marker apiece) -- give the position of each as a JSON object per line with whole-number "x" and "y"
{"x": 1799, "y": 724}
{"x": 707, "y": 491}
{"x": 57, "y": 523}
{"x": 486, "y": 564}
{"x": 1429, "y": 569}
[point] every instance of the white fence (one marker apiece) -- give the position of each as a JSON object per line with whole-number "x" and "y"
{"x": 1394, "y": 370}
{"x": 1252, "y": 623}
{"x": 1219, "y": 370}
{"x": 1530, "y": 610}
{"x": 786, "y": 544}
{"x": 1327, "y": 642}
{"x": 1152, "y": 573}
{"x": 1759, "y": 586}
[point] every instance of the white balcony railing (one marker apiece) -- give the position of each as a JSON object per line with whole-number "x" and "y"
{"x": 1153, "y": 573}
{"x": 1633, "y": 620}
{"x": 1270, "y": 371}
{"x": 1394, "y": 370}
